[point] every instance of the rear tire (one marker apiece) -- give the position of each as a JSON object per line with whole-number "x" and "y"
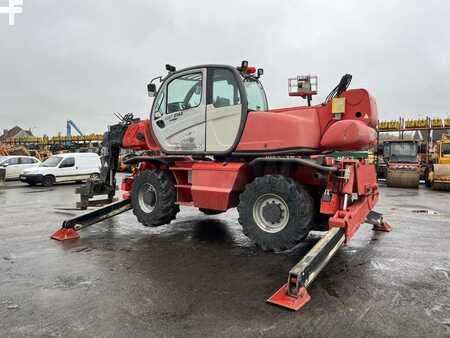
{"x": 275, "y": 212}
{"x": 153, "y": 198}
{"x": 48, "y": 181}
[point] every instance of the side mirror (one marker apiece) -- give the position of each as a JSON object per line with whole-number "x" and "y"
{"x": 260, "y": 72}
{"x": 151, "y": 89}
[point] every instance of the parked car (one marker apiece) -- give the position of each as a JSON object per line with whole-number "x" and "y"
{"x": 15, "y": 165}
{"x": 63, "y": 168}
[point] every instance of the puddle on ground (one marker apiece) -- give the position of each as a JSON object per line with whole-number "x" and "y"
{"x": 425, "y": 211}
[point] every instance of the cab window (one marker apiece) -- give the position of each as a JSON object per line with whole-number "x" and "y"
{"x": 445, "y": 149}
{"x": 225, "y": 90}
{"x": 67, "y": 162}
{"x": 160, "y": 105}
{"x": 255, "y": 95}
{"x": 184, "y": 92}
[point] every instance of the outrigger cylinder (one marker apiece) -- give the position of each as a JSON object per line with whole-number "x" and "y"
{"x": 293, "y": 295}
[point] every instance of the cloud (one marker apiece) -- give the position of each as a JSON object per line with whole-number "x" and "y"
{"x": 84, "y": 60}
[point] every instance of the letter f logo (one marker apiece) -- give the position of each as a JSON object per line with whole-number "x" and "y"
{"x": 14, "y": 7}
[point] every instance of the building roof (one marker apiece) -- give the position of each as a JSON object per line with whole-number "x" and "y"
{"x": 13, "y": 132}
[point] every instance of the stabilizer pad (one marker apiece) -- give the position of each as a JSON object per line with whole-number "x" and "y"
{"x": 64, "y": 234}
{"x": 384, "y": 226}
{"x": 281, "y": 298}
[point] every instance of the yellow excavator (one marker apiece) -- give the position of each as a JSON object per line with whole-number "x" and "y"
{"x": 437, "y": 174}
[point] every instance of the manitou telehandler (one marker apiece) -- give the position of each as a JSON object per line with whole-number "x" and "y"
{"x": 213, "y": 144}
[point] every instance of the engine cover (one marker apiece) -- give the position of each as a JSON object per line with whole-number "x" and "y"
{"x": 348, "y": 135}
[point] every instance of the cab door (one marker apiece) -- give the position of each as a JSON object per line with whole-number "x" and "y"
{"x": 178, "y": 113}
{"x": 67, "y": 170}
{"x": 225, "y": 112}
{"x": 13, "y": 168}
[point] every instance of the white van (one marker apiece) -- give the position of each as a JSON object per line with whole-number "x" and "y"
{"x": 63, "y": 168}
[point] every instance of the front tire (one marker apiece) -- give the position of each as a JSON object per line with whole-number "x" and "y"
{"x": 48, "y": 181}
{"x": 275, "y": 212}
{"x": 153, "y": 198}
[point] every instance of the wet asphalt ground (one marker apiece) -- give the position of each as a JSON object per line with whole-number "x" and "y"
{"x": 201, "y": 276}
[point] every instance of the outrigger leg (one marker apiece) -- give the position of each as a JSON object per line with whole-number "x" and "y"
{"x": 71, "y": 226}
{"x": 379, "y": 224}
{"x": 293, "y": 295}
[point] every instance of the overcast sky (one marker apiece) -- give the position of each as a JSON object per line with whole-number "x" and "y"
{"x": 84, "y": 60}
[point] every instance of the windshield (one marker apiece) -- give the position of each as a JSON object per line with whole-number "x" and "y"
{"x": 403, "y": 152}
{"x": 51, "y": 161}
{"x": 255, "y": 95}
{"x": 446, "y": 149}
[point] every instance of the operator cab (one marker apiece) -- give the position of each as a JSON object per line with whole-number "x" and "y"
{"x": 401, "y": 151}
{"x": 203, "y": 109}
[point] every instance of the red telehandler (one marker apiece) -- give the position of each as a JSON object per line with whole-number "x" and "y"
{"x": 212, "y": 143}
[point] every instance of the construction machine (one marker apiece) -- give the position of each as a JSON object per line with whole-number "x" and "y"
{"x": 402, "y": 163}
{"x": 437, "y": 173}
{"x": 214, "y": 144}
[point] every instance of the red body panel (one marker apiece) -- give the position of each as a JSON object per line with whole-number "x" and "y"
{"x": 212, "y": 185}
{"x": 139, "y": 137}
{"x": 275, "y": 130}
{"x": 348, "y": 135}
{"x": 217, "y": 185}
{"x": 306, "y": 127}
